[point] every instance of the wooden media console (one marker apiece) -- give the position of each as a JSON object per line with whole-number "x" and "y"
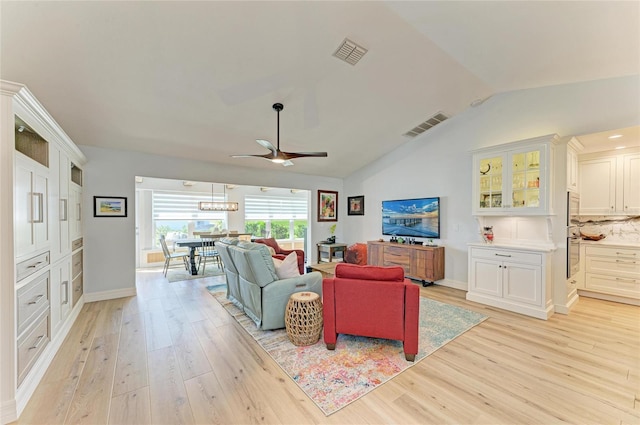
{"x": 420, "y": 262}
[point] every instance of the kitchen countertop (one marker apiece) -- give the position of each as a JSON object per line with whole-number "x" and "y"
{"x": 605, "y": 242}
{"x": 521, "y": 247}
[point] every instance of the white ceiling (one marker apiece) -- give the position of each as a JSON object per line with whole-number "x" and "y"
{"x": 197, "y": 79}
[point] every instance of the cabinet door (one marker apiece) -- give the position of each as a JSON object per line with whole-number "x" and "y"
{"x": 486, "y": 277}
{"x": 526, "y": 183}
{"x": 23, "y": 226}
{"x": 75, "y": 215}
{"x": 599, "y": 176}
{"x": 522, "y": 283}
{"x": 631, "y": 184}
{"x": 572, "y": 170}
{"x": 60, "y": 294}
{"x": 422, "y": 265}
{"x": 489, "y": 179}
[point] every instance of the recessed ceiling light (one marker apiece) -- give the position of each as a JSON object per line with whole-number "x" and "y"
{"x": 615, "y": 136}
{"x": 620, "y": 147}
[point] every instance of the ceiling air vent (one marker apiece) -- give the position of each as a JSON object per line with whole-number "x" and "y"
{"x": 350, "y": 52}
{"x": 429, "y": 123}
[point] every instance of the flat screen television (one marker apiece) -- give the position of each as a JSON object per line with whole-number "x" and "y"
{"x": 417, "y": 218}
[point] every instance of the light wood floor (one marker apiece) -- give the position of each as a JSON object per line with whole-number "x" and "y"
{"x": 173, "y": 355}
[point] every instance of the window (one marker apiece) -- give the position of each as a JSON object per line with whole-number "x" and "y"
{"x": 283, "y": 218}
{"x": 176, "y": 215}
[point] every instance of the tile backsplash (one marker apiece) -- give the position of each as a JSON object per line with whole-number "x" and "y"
{"x": 616, "y": 229}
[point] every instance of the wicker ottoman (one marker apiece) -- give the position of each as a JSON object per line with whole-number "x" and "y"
{"x": 303, "y": 319}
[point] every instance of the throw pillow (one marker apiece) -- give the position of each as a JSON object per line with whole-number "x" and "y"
{"x": 271, "y": 250}
{"x": 288, "y": 267}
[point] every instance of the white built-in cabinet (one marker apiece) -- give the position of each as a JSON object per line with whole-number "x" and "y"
{"x": 572, "y": 165}
{"x": 31, "y": 221}
{"x": 514, "y": 178}
{"x": 612, "y": 270}
{"x": 513, "y": 279}
{"x": 43, "y": 189}
{"x": 611, "y": 184}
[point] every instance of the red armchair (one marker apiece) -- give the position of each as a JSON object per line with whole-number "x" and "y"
{"x": 371, "y": 301}
{"x": 282, "y": 253}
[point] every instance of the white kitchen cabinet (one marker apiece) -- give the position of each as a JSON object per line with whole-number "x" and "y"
{"x": 631, "y": 183}
{"x": 513, "y": 279}
{"x": 514, "y": 178}
{"x": 613, "y": 270}
{"x": 572, "y": 165}
{"x": 31, "y": 193}
{"x": 610, "y": 184}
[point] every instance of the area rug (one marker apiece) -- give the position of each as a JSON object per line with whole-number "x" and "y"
{"x": 175, "y": 275}
{"x": 333, "y": 379}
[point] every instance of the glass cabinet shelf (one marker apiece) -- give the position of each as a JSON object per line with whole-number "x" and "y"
{"x": 513, "y": 177}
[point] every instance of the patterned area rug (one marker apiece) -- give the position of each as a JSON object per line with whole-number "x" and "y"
{"x": 333, "y": 379}
{"x": 177, "y": 274}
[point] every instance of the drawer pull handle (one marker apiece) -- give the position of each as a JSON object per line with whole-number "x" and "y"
{"x": 503, "y": 255}
{"x": 35, "y": 300}
{"x": 626, "y": 262}
{"x": 625, "y": 253}
{"x": 34, "y": 265}
{"x": 625, "y": 280}
{"x": 37, "y": 344}
{"x": 77, "y": 290}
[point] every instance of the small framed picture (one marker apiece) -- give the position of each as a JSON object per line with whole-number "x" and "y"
{"x": 109, "y": 206}
{"x": 327, "y": 205}
{"x": 355, "y": 205}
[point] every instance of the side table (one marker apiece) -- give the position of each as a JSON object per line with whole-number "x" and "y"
{"x": 331, "y": 249}
{"x": 303, "y": 318}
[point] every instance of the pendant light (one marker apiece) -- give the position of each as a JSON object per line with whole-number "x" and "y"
{"x": 218, "y": 206}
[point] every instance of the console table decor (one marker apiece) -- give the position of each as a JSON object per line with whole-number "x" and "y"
{"x": 420, "y": 262}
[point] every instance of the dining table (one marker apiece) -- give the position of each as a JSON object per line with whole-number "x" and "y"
{"x": 193, "y": 244}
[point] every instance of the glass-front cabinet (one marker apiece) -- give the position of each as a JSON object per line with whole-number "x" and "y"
{"x": 513, "y": 178}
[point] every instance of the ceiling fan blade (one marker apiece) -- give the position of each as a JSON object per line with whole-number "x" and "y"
{"x": 267, "y": 144}
{"x": 265, "y": 156}
{"x": 293, "y": 155}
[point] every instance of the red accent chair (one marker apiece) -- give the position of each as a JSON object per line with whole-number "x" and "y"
{"x": 282, "y": 253}
{"x": 371, "y": 301}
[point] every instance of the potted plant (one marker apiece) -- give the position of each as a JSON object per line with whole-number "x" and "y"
{"x": 332, "y": 238}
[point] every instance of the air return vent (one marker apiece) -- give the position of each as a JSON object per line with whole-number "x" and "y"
{"x": 429, "y": 123}
{"x": 350, "y": 52}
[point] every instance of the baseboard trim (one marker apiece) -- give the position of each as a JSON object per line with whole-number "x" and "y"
{"x": 109, "y": 295}
{"x": 463, "y": 286}
{"x": 566, "y": 309}
{"x": 607, "y": 297}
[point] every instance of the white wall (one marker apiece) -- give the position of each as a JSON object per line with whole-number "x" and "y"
{"x": 438, "y": 163}
{"x": 110, "y": 242}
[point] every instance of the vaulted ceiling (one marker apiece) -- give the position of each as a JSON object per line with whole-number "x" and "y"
{"x": 197, "y": 79}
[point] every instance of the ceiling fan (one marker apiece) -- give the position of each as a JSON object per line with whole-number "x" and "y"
{"x": 276, "y": 155}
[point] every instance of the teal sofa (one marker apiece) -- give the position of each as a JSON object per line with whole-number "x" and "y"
{"x": 254, "y": 286}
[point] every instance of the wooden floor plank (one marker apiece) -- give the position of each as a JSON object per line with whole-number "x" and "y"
{"x": 202, "y": 367}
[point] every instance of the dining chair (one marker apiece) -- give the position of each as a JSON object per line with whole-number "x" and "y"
{"x": 208, "y": 252}
{"x": 168, "y": 256}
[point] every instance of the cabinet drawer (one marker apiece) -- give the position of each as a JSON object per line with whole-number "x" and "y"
{"x": 605, "y": 251}
{"x": 621, "y": 267}
{"x": 626, "y": 287}
{"x": 76, "y": 264}
{"x": 32, "y": 265}
{"x": 507, "y": 255}
{"x": 78, "y": 289}
{"x": 31, "y": 345}
{"x": 32, "y": 299}
{"x": 76, "y": 244}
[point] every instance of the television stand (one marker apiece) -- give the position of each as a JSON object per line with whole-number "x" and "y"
{"x": 420, "y": 262}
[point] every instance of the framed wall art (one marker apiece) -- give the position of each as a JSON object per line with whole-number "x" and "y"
{"x": 355, "y": 205}
{"x": 109, "y": 206}
{"x": 327, "y": 205}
